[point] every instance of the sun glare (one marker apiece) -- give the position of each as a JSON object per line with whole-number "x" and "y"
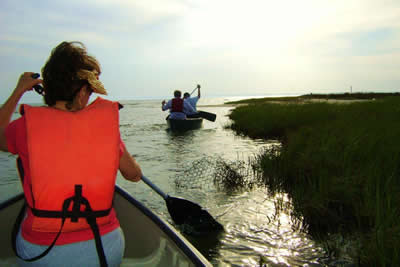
{"x": 260, "y": 37}
{"x": 247, "y": 24}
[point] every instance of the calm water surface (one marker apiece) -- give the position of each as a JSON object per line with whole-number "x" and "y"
{"x": 252, "y": 228}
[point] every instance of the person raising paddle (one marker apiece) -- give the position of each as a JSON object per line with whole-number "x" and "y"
{"x": 193, "y": 102}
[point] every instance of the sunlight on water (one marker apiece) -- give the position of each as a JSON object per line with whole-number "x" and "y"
{"x": 254, "y": 231}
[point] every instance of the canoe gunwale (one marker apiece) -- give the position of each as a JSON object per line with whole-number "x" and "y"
{"x": 163, "y": 226}
{"x": 11, "y": 200}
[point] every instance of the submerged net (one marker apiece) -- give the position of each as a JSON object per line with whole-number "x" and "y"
{"x": 215, "y": 173}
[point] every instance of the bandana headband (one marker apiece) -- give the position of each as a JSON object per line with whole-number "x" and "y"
{"x": 91, "y": 77}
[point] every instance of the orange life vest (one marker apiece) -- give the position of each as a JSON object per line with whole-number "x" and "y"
{"x": 72, "y": 154}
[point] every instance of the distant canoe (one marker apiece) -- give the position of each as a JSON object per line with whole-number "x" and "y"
{"x": 149, "y": 240}
{"x": 185, "y": 125}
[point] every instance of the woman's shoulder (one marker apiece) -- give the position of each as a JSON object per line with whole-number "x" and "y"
{"x": 16, "y": 134}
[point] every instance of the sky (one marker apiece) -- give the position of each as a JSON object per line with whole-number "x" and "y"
{"x": 149, "y": 48}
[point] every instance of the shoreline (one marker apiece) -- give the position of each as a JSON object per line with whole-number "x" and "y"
{"x": 344, "y": 98}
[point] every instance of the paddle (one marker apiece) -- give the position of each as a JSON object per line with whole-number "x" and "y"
{"x": 197, "y": 87}
{"x": 184, "y": 212}
{"x": 202, "y": 114}
{"x": 207, "y": 115}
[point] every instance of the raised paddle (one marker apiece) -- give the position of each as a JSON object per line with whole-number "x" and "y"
{"x": 197, "y": 221}
{"x": 202, "y": 114}
{"x": 197, "y": 87}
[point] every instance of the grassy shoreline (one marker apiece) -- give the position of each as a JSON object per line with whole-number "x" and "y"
{"x": 312, "y": 97}
{"x": 340, "y": 164}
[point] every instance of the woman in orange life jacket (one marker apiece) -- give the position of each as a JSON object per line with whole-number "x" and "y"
{"x": 69, "y": 154}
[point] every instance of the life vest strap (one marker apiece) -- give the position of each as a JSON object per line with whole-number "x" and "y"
{"x": 90, "y": 215}
{"x": 70, "y": 214}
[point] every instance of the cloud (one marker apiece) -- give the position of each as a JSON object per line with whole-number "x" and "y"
{"x": 236, "y": 46}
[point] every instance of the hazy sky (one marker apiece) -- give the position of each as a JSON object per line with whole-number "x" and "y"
{"x": 148, "y": 48}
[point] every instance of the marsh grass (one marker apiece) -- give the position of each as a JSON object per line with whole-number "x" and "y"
{"x": 340, "y": 165}
{"x": 302, "y": 98}
{"x": 271, "y": 120}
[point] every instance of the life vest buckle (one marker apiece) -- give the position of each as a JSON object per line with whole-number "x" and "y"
{"x": 77, "y": 199}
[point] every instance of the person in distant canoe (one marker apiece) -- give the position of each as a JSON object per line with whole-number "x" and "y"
{"x": 193, "y": 102}
{"x": 178, "y": 108}
{"x": 69, "y": 154}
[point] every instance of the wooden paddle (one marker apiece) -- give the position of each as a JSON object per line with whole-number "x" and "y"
{"x": 185, "y": 212}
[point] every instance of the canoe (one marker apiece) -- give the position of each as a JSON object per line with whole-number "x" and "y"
{"x": 149, "y": 240}
{"x": 185, "y": 125}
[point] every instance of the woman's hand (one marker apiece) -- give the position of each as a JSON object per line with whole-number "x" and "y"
{"x": 26, "y": 82}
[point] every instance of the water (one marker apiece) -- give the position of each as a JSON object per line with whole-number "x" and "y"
{"x": 253, "y": 230}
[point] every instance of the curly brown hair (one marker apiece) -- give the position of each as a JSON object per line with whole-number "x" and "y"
{"x": 60, "y": 79}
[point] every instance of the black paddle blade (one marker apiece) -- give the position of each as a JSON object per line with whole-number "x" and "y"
{"x": 194, "y": 218}
{"x": 207, "y": 115}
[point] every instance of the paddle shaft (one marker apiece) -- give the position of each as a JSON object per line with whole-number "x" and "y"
{"x": 154, "y": 187}
{"x": 197, "y": 87}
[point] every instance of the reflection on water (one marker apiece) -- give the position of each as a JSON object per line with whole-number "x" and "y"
{"x": 253, "y": 231}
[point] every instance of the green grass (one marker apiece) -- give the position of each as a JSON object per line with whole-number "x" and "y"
{"x": 340, "y": 164}
{"x": 276, "y": 121}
